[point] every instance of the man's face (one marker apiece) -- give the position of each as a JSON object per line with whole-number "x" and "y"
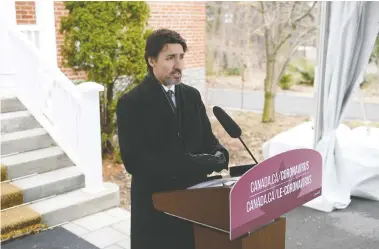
{"x": 168, "y": 66}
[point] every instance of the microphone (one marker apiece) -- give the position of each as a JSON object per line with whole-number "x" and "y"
{"x": 230, "y": 126}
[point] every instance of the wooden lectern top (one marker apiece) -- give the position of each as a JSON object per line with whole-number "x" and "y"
{"x": 206, "y": 203}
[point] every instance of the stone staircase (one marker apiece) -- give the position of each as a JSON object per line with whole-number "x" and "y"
{"x": 40, "y": 186}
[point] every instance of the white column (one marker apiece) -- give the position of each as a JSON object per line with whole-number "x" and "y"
{"x": 45, "y": 18}
{"x": 90, "y": 136}
{"x": 7, "y": 22}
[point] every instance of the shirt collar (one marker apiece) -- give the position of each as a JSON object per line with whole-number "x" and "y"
{"x": 166, "y": 88}
{"x": 151, "y": 75}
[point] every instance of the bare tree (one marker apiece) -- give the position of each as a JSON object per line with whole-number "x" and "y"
{"x": 286, "y": 26}
{"x": 260, "y": 34}
{"x": 229, "y": 39}
{"x": 214, "y": 33}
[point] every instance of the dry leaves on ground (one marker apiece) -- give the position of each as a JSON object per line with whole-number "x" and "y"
{"x": 116, "y": 173}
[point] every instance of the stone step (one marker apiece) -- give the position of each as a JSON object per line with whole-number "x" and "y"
{"x": 23, "y": 141}
{"x": 17, "y": 121}
{"x": 76, "y": 204}
{"x": 36, "y": 161}
{"x": 51, "y": 183}
{"x": 57, "y": 210}
{"x": 39, "y": 186}
{"x": 11, "y": 104}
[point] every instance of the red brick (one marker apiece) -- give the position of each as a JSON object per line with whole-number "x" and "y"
{"x": 188, "y": 18}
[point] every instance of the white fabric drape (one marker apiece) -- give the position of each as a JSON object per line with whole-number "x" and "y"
{"x": 352, "y": 31}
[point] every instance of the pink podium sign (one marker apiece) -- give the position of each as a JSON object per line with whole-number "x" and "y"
{"x": 273, "y": 188}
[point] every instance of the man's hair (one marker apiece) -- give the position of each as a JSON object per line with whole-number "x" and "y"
{"x": 158, "y": 39}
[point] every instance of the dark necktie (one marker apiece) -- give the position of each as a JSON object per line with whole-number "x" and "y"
{"x": 172, "y": 96}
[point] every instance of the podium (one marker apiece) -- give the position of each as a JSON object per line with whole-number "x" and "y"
{"x": 245, "y": 212}
{"x": 208, "y": 209}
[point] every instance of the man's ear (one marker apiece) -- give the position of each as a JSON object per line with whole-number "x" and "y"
{"x": 151, "y": 61}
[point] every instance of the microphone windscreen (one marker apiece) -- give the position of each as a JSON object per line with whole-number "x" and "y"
{"x": 227, "y": 122}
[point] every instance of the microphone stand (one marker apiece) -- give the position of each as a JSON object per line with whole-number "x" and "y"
{"x": 241, "y": 169}
{"x": 248, "y": 150}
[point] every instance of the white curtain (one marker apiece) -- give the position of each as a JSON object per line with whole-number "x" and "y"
{"x": 352, "y": 28}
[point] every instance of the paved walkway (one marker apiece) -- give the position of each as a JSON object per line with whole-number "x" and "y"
{"x": 355, "y": 227}
{"x": 284, "y": 103}
{"x": 109, "y": 229}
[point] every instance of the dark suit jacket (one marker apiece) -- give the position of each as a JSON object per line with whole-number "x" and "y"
{"x": 153, "y": 143}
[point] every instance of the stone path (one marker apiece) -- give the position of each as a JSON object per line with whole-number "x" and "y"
{"x": 355, "y": 227}
{"x": 109, "y": 229}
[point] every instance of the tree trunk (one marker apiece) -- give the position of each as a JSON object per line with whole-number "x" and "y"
{"x": 108, "y": 127}
{"x": 269, "y": 102}
{"x": 269, "y": 108}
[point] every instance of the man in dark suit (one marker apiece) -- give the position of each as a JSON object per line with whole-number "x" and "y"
{"x": 166, "y": 143}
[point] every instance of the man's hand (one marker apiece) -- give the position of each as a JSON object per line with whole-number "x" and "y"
{"x": 209, "y": 162}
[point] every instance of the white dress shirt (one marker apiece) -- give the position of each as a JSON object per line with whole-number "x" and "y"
{"x": 173, "y": 90}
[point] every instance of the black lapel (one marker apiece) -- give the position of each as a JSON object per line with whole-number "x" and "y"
{"x": 157, "y": 96}
{"x": 179, "y": 96}
{"x": 169, "y": 99}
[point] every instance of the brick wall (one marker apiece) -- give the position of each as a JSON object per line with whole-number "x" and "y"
{"x": 60, "y": 11}
{"x": 188, "y": 18}
{"x": 25, "y": 13}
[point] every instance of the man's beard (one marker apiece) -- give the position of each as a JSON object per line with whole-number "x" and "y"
{"x": 171, "y": 80}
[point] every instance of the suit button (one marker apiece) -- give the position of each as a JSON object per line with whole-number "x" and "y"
{"x": 179, "y": 135}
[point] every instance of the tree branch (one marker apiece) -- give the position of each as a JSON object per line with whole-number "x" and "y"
{"x": 295, "y": 22}
{"x": 266, "y": 31}
{"x": 293, "y": 50}
{"x": 262, "y": 7}
{"x": 281, "y": 43}
{"x": 306, "y": 13}
{"x": 256, "y": 9}
{"x": 118, "y": 75}
{"x": 252, "y": 5}
{"x": 292, "y": 11}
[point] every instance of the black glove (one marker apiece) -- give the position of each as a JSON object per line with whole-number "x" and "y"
{"x": 222, "y": 160}
{"x": 208, "y": 162}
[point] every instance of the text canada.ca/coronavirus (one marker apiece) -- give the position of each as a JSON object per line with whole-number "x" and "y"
{"x": 275, "y": 178}
{"x": 270, "y": 196}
